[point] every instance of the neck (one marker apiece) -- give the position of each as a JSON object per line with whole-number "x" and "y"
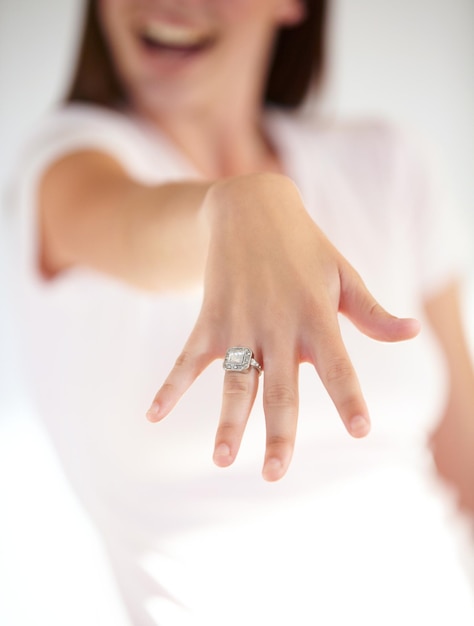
{"x": 222, "y": 138}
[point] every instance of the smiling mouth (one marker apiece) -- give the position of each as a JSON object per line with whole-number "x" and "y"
{"x": 160, "y": 37}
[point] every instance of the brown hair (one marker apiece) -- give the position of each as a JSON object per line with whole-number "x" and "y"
{"x": 298, "y": 62}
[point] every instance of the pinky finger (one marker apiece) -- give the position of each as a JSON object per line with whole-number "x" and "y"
{"x": 187, "y": 368}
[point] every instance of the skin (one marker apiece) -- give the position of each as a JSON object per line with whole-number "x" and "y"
{"x": 452, "y": 442}
{"x": 213, "y": 115}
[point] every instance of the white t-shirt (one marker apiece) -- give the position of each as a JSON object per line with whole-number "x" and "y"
{"x": 356, "y": 533}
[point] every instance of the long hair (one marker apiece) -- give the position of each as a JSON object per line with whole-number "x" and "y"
{"x": 297, "y": 65}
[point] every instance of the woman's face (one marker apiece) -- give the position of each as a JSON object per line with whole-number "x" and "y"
{"x": 172, "y": 54}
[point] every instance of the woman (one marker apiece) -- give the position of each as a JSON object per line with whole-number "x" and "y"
{"x": 165, "y": 192}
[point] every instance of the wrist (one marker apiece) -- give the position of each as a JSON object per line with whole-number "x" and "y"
{"x": 264, "y": 195}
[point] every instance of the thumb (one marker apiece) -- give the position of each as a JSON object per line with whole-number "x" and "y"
{"x": 358, "y": 304}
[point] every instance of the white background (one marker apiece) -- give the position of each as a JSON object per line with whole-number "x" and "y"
{"x": 410, "y": 60}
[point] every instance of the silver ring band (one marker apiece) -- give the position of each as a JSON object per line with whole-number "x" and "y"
{"x": 240, "y": 359}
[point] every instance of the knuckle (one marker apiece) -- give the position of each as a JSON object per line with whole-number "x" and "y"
{"x": 376, "y": 310}
{"x": 280, "y": 395}
{"x": 339, "y": 370}
{"x": 279, "y": 441}
{"x": 183, "y": 360}
{"x": 226, "y": 430}
{"x": 167, "y": 389}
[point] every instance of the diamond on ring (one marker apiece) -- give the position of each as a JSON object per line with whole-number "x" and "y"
{"x": 240, "y": 359}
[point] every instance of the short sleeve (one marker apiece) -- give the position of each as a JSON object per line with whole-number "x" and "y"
{"x": 143, "y": 153}
{"x": 434, "y": 226}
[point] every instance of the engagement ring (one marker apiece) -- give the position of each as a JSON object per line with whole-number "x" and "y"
{"x": 240, "y": 359}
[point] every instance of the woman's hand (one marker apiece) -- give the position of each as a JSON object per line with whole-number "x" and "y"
{"x": 274, "y": 283}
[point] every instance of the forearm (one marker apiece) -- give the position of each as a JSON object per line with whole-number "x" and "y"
{"x": 92, "y": 214}
{"x": 155, "y": 237}
{"x": 161, "y": 237}
{"x": 453, "y": 441}
{"x": 453, "y": 448}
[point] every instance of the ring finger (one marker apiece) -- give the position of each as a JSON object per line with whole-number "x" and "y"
{"x": 240, "y": 389}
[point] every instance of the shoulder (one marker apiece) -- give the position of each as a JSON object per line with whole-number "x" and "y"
{"x": 78, "y": 126}
{"x": 83, "y": 116}
{"x": 357, "y": 146}
{"x": 142, "y": 152}
{"x": 341, "y": 133}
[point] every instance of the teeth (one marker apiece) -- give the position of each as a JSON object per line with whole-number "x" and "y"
{"x": 170, "y": 35}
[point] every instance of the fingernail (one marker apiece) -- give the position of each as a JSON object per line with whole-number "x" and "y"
{"x": 272, "y": 468}
{"x": 222, "y": 453}
{"x": 359, "y": 426}
{"x": 153, "y": 412}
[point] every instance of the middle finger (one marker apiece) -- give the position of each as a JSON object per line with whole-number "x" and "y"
{"x": 280, "y": 400}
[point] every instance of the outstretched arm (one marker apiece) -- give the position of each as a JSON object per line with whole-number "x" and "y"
{"x": 92, "y": 213}
{"x": 272, "y": 282}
